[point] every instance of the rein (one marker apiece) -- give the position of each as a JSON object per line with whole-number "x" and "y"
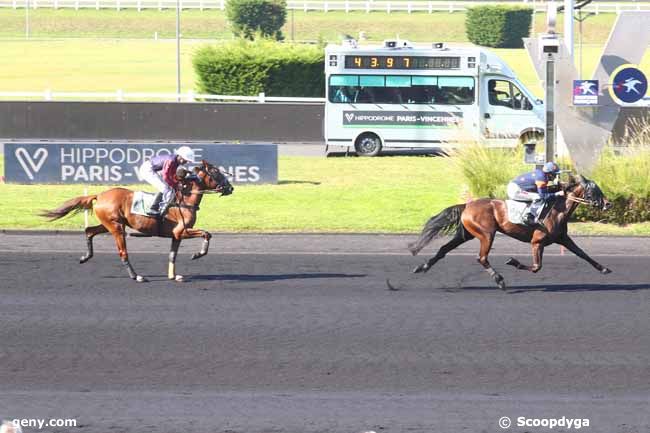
{"x": 578, "y": 200}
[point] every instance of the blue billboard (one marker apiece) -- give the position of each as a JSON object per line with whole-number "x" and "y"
{"x": 119, "y": 163}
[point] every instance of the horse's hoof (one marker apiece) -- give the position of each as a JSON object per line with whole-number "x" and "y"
{"x": 420, "y": 269}
{"x": 501, "y": 282}
{"x": 605, "y": 271}
{"x": 140, "y": 279}
{"x": 512, "y": 262}
{"x": 197, "y": 256}
{"x": 83, "y": 259}
{"x": 179, "y": 278}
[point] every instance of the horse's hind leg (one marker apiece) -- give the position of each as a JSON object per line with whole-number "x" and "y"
{"x": 117, "y": 230}
{"x": 91, "y": 232}
{"x": 460, "y": 238}
{"x": 486, "y": 245}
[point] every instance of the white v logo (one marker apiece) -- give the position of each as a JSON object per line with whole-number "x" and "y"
{"x": 30, "y": 164}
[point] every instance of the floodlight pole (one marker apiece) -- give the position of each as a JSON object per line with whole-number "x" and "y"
{"x": 549, "y": 50}
{"x": 178, "y": 49}
{"x": 549, "y": 98}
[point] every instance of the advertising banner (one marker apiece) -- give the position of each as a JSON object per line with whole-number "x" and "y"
{"x": 119, "y": 163}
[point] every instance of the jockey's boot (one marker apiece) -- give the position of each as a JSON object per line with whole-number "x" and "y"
{"x": 163, "y": 208}
{"x": 530, "y": 220}
{"x": 154, "y": 210}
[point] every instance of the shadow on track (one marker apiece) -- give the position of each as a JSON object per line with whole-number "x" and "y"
{"x": 513, "y": 290}
{"x": 275, "y": 277}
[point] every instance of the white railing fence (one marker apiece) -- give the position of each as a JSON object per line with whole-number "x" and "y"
{"x": 120, "y": 95}
{"x": 314, "y": 5}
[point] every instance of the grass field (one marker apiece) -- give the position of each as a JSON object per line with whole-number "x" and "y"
{"x": 310, "y": 26}
{"x": 388, "y": 195}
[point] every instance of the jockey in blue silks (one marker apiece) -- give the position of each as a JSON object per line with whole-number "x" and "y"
{"x": 534, "y": 187}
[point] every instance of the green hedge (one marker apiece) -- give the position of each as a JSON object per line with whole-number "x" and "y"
{"x": 257, "y": 17}
{"x": 248, "y": 68}
{"x": 498, "y": 26}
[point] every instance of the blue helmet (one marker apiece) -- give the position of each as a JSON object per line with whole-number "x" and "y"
{"x": 551, "y": 167}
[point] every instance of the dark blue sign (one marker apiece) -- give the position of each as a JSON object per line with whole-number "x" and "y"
{"x": 629, "y": 85}
{"x": 585, "y": 92}
{"x": 119, "y": 163}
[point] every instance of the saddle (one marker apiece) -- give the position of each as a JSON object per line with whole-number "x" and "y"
{"x": 142, "y": 202}
{"x": 517, "y": 210}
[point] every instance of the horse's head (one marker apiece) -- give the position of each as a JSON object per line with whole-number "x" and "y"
{"x": 211, "y": 178}
{"x": 587, "y": 190}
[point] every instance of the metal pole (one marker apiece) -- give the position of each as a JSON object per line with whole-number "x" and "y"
{"x": 580, "y": 40}
{"x": 549, "y": 98}
{"x": 568, "y": 28}
{"x": 27, "y": 19}
{"x": 178, "y": 49}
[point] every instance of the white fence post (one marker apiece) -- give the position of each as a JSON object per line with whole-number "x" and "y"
{"x": 56, "y": 4}
{"x": 139, "y": 5}
{"x": 191, "y": 95}
{"x": 347, "y": 6}
{"x": 325, "y": 7}
{"x": 261, "y": 97}
{"x": 222, "y": 5}
{"x": 47, "y": 95}
{"x": 97, "y": 4}
{"x": 368, "y": 7}
{"x": 120, "y": 95}
{"x": 201, "y": 5}
{"x": 409, "y": 6}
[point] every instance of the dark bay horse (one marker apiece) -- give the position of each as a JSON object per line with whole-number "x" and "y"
{"x": 113, "y": 210}
{"x": 483, "y": 218}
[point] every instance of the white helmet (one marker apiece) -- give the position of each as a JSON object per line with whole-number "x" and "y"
{"x": 186, "y": 153}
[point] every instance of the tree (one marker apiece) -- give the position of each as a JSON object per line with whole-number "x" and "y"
{"x": 257, "y": 17}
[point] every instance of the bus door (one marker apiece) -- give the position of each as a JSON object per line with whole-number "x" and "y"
{"x": 506, "y": 111}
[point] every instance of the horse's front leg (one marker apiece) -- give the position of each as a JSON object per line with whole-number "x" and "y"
{"x": 195, "y": 233}
{"x": 179, "y": 233}
{"x": 171, "y": 272}
{"x": 538, "y": 253}
{"x": 575, "y": 249}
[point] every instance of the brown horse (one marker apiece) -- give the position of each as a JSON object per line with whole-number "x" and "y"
{"x": 482, "y": 218}
{"x": 113, "y": 210}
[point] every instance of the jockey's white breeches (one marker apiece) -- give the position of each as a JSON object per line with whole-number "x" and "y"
{"x": 148, "y": 174}
{"x": 516, "y": 193}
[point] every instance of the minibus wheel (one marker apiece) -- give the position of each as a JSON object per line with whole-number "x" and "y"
{"x": 368, "y": 144}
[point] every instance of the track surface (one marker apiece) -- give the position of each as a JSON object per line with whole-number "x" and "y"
{"x": 300, "y": 334}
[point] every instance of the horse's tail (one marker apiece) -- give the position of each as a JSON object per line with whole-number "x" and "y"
{"x": 74, "y": 205}
{"x": 446, "y": 222}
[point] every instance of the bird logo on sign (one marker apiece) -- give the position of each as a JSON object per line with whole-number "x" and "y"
{"x": 629, "y": 85}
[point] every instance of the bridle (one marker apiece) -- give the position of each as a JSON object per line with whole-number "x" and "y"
{"x": 580, "y": 200}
